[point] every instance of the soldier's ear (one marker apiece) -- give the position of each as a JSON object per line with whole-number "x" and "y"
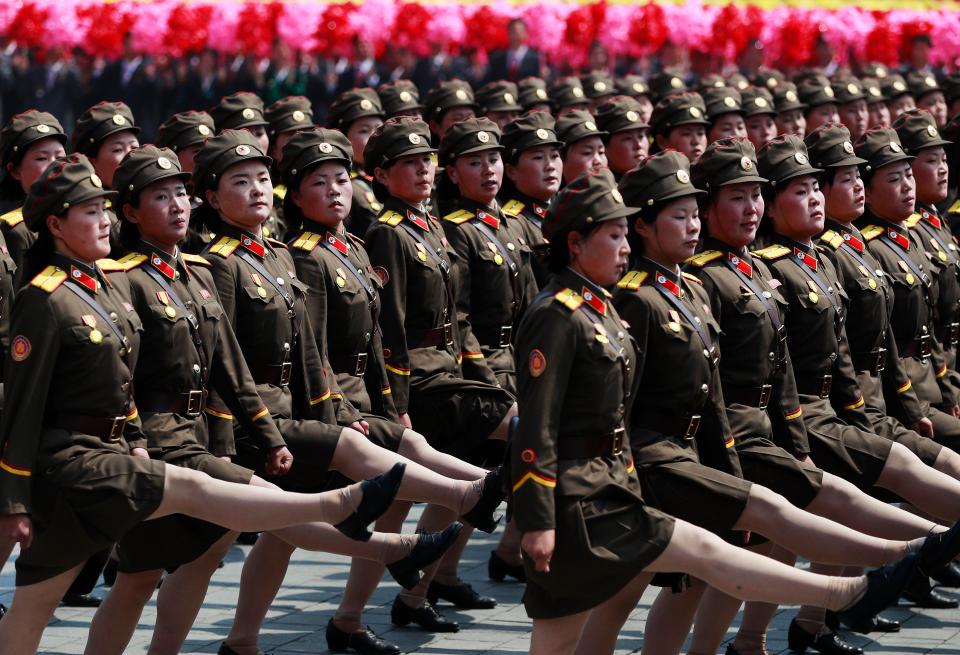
{"x": 511, "y": 171}
{"x": 662, "y": 142}
{"x": 212, "y": 199}
{"x": 452, "y": 173}
{"x": 14, "y": 172}
{"x": 130, "y": 212}
{"x": 53, "y": 224}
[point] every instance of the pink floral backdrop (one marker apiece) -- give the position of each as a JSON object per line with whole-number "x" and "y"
{"x": 563, "y": 30}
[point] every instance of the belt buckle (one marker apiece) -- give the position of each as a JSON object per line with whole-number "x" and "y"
{"x": 448, "y": 334}
{"x": 881, "y": 360}
{"x": 826, "y": 386}
{"x": 953, "y": 332}
{"x": 194, "y": 402}
{"x": 923, "y": 346}
{"x": 285, "y": 370}
{"x": 692, "y": 426}
{"x": 616, "y": 448}
{"x": 506, "y": 333}
{"x": 764, "y": 396}
{"x": 116, "y": 429}
{"x": 361, "y": 366}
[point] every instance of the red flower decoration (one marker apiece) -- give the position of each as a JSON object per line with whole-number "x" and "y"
{"x": 584, "y": 23}
{"x": 648, "y": 29}
{"x": 486, "y": 30}
{"x": 410, "y": 27}
{"x": 187, "y": 28}
{"x": 109, "y": 25}
{"x": 257, "y": 28}
{"x": 334, "y": 34}
{"x": 734, "y": 29}
{"x": 798, "y": 34}
{"x": 882, "y": 44}
{"x": 27, "y": 26}
{"x": 909, "y": 31}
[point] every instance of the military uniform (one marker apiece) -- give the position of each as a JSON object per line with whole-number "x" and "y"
{"x": 182, "y": 131}
{"x": 71, "y": 420}
{"x": 533, "y": 96}
{"x": 599, "y": 86}
{"x": 348, "y": 107}
{"x": 264, "y": 301}
{"x": 440, "y": 99}
{"x": 421, "y": 346}
{"x": 567, "y": 95}
{"x": 400, "y": 98}
{"x": 499, "y": 98}
{"x": 495, "y": 280}
{"x": 621, "y": 114}
{"x": 285, "y": 116}
{"x": 571, "y": 464}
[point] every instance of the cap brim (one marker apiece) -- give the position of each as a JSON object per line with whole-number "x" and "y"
{"x": 624, "y": 211}
{"x": 934, "y": 143}
{"x": 683, "y": 193}
{"x": 852, "y": 160}
{"x": 743, "y": 179}
{"x": 480, "y": 148}
{"x": 806, "y": 170}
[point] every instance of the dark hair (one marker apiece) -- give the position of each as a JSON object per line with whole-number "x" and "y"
{"x": 558, "y": 256}
{"x": 648, "y": 214}
{"x": 207, "y": 217}
{"x": 37, "y": 256}
{"x": 292, "y": 214}
{"x": 129, "y": 232}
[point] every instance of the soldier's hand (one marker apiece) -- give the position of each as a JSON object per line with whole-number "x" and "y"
{"x": 361, "y": 426}
{"x": 923, "y": 427}
{"x": 405, "y": 421}
{"x": 16, "y": 528}
{"x": 954, "y": 411}
{"x": 806, "y": 459}
{"x": 279, "y": 461}
{"x": 539, "y": 546}
{"x": 140, "y": 452}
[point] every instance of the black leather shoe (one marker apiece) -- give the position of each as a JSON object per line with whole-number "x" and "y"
{"x": 461, "y": 595}
{"x": 378, "y": 495}
{"x": 922, "y": 594}
{"x": 874, "y": 624}
{"x": 364, "y": 641}
{"x": 226, "y": 650}
{"x": 828, "y": 643}
{"x": 247, "y": 538}
{"x": 80, "y": 600}
{"x": 948, "y": 576}
{"x": 499, "y": 568}
{"x": 731, "y": 650}
{"x": 424, "y": 616}
{"x": 428, "y": 549}
{"x": 939, "y": 549}
{"x": 884, "y": 586}
{"x": 3, "y": 610}
{"x": 484, "y": 516}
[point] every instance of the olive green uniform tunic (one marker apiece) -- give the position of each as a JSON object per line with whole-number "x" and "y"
{"x": 365, "y": 208}
{"x": 571, "y": 468}
{"x": 421, "y": 346}
{"x": 16, "y": 235}
{"x": 531, "y": 214}
{"x": 71, "y": 421}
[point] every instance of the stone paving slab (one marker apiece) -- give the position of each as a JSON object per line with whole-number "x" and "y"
{"x": 298, "y": 617}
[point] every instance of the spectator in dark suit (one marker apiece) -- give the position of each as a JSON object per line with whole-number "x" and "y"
{"x": 132, "y": 79}
{"x": 435, "y": 68}
{"x": 362, "y": 70}
{"x": 518, "y": 60}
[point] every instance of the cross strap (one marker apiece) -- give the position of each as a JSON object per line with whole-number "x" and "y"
{"x": 345, "y": 260}
{"x": 514, "y": 267}
{"x": 687, "y": 313}
{"x": 764, "y": 300}
{"x": 265, "y": 274}
{"x": 85, "y": 296}
{"x": 191, "y": 318}
{"x": 824, "y": 287}
{"x": 932, "y": 233}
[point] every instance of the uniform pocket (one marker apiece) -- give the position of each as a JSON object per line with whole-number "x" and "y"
{"x": 261, "y": 294}
{"x": 212, "y": 311}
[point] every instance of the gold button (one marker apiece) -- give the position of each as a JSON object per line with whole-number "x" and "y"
{"x": 261, "y": 292}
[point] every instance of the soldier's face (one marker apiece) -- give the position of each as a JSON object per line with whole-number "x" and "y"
{"x": 691, "y": 140}
{"x": 538, "y": 172}
{"x": 892, "y": 192}
{"x": 602, "y": 255}
{"x": 734, "y": 213}
{"x": 163, "y": 213}
{"x": 878, "y": 114}
{"x": 478, "y": 175}
{"x": 583, "y": 155}
{"x": 409, "y": 178}
{"x": 855, "y": 116}
{"x": 502, "y": 118}
{"x": 761, "y": 129}
{"x": 626, "y": 149}
{"x": 259, "y": 132}
{"x": 798, "y": 210}
{"x": 901, "y": 104}
{"x": 673, "y": 236}
{"x": 37, "y": 157}
{"x": 83, "y": 232}
{"x": 453, "y": 116}
{"x": 325, "y": 194}
{"x": 844, "y": 196}
{"x": 360, "y": 132}
{"x": 792, "y": 122}
{"x": 727, "y": 125}
{"x": 930, "y": 173}
{"x": 821, "y": 115}
{"x": 244, "y": 196}
{"x": 936, "y": 104}
{"x": 111, "y": 152}
{"x": 188, "y": 157}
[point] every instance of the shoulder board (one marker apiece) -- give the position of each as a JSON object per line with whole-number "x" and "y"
{"x": 772, "y": 252}
{"x": 391, "y": 218}
{"x": 832, "y": 239}
{"x": 276, "y": 243}
{"x": 513, "y": 208}
{"x": 691, "y": 278}
{"x": 566, "y": 297}
{"x": 307, "y": 241}
{"x": 280, "y": 191}
{"x": 703, "y": 258}
{"x": 126, "y": 263}
{"x": 459, "y": 216}
{"x": 871, "y": 232}
{"x": 632, "y": 280}
{"x": 195, "y": 259}
{"x": 912, "y": 221}
{"x": 49, "y": 279}
{"x": 224, "y": 247}
{"x": 13, "y": 218}
{"x": 954, "y": 208}
{"x": 357, "y": 240}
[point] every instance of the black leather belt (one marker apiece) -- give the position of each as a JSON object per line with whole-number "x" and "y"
{"x": 949, "y": 335}
{"x": 497, "y": 337}
{"x": 817, "y": 385}
{"x": 872, "y": 362}
{"x": 438, "y": 336}
{"x": 109, "y": 430}
{"x": 190, "y": 403}
{"x": 918, "y": 348}
{"x": 351, "y": 365}
{"x": 278, "y": 374}
{"x": 750, "y": 396}
{"x": 679, "y": 427}
{"x": 588, "y": 447}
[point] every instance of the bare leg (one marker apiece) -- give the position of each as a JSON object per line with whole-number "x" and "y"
{"x": 433, "y": 518}
{"x": 812, "y": 618}
{"x": 557, "y": 636}
{"x": 926, "y": 487}
{"x": 669, "y": 620}
{"x": 509, "y": 547}
{"x": 948, "y": 462}
{"x": 116, "y": 619}
{"x": 448, "y": 569}
{"x": 600, "y": 633}
{"x": 22, "y": 627}
{"x": 502, "y": 431}
{"x": 414, "y": 447}
{"x": 818, "y": 539}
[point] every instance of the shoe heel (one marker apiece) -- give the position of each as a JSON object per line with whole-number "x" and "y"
{"x": 378, "y": 494}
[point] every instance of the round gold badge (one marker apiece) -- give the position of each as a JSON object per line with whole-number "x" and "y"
{"x": 853, "y": 89}
{"x": 599, "y": 86}
{"x": 800, "y": 157}
{"x": 341, "y": 282}
{"x": 683, "y": 176}
{"x": 828, "y": 91}
{"x": 746, "y": 163}
{"x": 414, "y": 139}
{"x": 872, "y": 283}
{"x": 541, "y": 94}
{"x": 590, "y": 125}
{"x": 366, "y": 105}
{"x": 729, "y": 102}
{"x": 508, "y": 98}
{"x": 261, "y": 292}
{"x": 96, "y": 336}
{"x": 932, "y": 131}
{"x": 638, "y": 88}
{"x": 203, "y": 130}
{"x": 899, "y": 86}
{"x": 616, "y": 195}
{"x": 674, "y": 326}
{"x": 421, "y": 255}
{"x": 633, "y": 116}
{"x": 896, "y": 147}
{"x": 119, "y": 119}
{"x": 483, "y": 137}
{"x": 461, "y": 94}
{"x": 676, "y": 83}
{"x": 760, "y": 102}
{"x": 695, "y": 112}
{"x": 325, "y": 148}
{"x": 772, "y": 82}
{"x": 405, "y": 96}
{"x": 848, "y": 147}
{"x": 910, "y": 279}
{"x": 577, "y": 92}
{"x": 813, "y": 297}
{"x": 164, "y": 163}
{"x": 930, "y": 81}
{"x": 542, "y": 134}
{"x": 791, "y": 96}
{"x": 170, "y": 311}
{"x": 875, "y": 91}
{"x": 298, "y": 116}
{"x": 497, "y": 259}
{"x": 248, "y": 114}
{"x": 96, "y": 181}
{"x": 242, "y": 150}
{"x": 43, "y": 129}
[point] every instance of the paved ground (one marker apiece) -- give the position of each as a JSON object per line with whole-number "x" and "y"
{"x": 308, "y": 599}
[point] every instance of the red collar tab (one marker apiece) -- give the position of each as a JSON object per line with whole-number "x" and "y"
{"x": 853, "y": 241}
{"x": 539, "y": 211}
{"x": 594, "y": 301}
{"x": 899, "y": 238}
{"x": 489, "y": 219}
{"x": 418, "y": 221}
{"x": 741, "y": 265}
{"x": 162, "y": 266}
{"x": 86, "y": 280}
{"x": 337, "y": 242}
{"x": 931, "y": 218}
{"x": 253, "y": 246}
{"x": 806, "y": 258}
{"x": 668, "y": 284}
